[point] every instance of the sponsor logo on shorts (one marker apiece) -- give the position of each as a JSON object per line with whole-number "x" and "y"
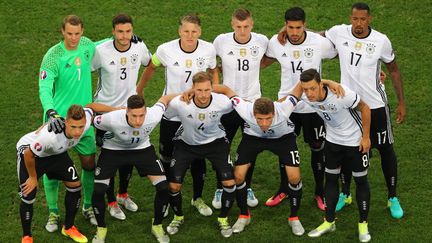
{"x": 172, "y": 163}
{"x": 97, "y": 171}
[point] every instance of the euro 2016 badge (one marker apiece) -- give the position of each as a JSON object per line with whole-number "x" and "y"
{"x": 296, "y": 54}
{"x": 78, "y": 61}
{"x": 243, "y": 52}
{"x": 201, "y": 116}
{"x": 123, "y": 61}
{"x": 188, "y": 63}
{"x": 358, "y": 46}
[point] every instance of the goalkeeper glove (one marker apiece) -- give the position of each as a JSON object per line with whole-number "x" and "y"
{"x": 55, "y": 122}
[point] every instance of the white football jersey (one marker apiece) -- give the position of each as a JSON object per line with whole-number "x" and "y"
{"x": 199, "y": 125}
{"x": 121, "y": 136}
{"x": 295, "y": 58}
{"x": 43, "y": 143}
{"x": 343, "y": 123}
{"x": 241, "y": 63}
{"x": 360, "y": 62}
{"x": 181, "y": 66}
{"x": 281, "y": 124}
{"x": 118, "y": 71}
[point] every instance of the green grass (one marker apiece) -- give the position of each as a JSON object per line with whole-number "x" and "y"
{"x": 28, "y": 29}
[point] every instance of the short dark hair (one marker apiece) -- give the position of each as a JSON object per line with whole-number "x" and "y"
{"x": 135, "y": 102}
{"x": 75, "y": 112}
{"x": 201, "y": 77}
{"x": 309, "y": 75}
{"x": 360, "y": 6}
{"x": 295, "y": 14}
{"x": 190, "y": 18}
{"x": 241, "y": 14}
{"x": 263, "y": 106}
{"x": 73, "y": 20}
{"x": 121, "y": 19}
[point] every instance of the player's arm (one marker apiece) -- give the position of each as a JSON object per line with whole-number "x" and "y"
{"x": 266, "y": 61}
{"x": 214, "y": 72}
{"x": 398, "y": 86}
{"x": 31, "y": 182}
{"x": 167, "y": 98}
{"x": 101, "y": 108}
{"x": 222, "y": 89}
{"x": 335, "y": 87}
{"x": 365, "y": 142}
{"x": 147, "y": 74}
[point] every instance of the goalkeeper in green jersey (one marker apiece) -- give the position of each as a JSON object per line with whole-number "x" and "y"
{"x": 65, "y": 79}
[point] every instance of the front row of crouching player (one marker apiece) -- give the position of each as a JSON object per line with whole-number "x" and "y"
{"x": 267, "y": 127}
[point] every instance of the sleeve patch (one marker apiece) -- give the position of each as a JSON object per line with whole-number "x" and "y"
{"x": 43, "y": 75}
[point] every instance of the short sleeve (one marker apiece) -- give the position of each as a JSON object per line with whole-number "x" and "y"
{"x": 387, "y": 54}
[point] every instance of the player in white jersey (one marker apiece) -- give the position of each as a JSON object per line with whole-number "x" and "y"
{"x": 182, "y": 58}
{"x": 43, "y": 152}
{"x": 301, "y": 50}
{"x": 361, "y": 51}
{"x": 240, "y": 52}
{"x": 347, "y": 142}
{"x": 127, "y": 143}
{"x": 201, "y": 136}
{"x": 267, "y": 127}
{"x": 117, "y": 61}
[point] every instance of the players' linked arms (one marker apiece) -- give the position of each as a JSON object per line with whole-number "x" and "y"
{"x": 31, "y": 182}
{"x": 365, "y": 143}
{"x": 335, "y": 87}
{"x": 222, "y": 89}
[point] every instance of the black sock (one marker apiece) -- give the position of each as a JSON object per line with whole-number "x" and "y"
{"x": 362, "y": 196}
{"x": 125, "y": 173}
{"x": 345, "y": 176}
{"x": 331, "y": 191}
{"x": 110, "y": 191}
{"x": 98, "y": 203}
{"x": 389, "y": 168}
{"x": 160, "y": 201}
{"x": 228, "y": 196}
{"x": 175, "y": 200}
{"x": 249, "y": 174}
{"x": 295, "y": 194}
{"x": 283, "y": 185}
{"x": 241, "y": 196}
{"x": 72, "y": 202}
{"x": 26, "y": 214}
{"x": 317, "y": 164}
{"x": 198, "y": 171}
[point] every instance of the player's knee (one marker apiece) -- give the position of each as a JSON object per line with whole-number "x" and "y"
{"x": 88, "y": 162}
{"x": 294, "y": 178}
{"x": 161, "y": 185}
{"x": 29, "y": 198}
{"x": 228, "y": 183}
{"x": 165, "y": 158}
{"x": 72, "y": 183}
{"x": 100, "y": 188}
{"x": 174, "y": 187}
{"x": 316, "y": 146}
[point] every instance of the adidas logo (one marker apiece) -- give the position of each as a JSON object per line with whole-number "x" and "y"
{"x": 230, "y": 53}
{"x": 345, "y": 44}
{"x": 189, "y": 116}
{"x": 68, "y": 65}
{"x": 112, "y": 63}
{"x": 176, "y": 64}
{"x": 284, "y": 55}
{"x": 123, "y": 133}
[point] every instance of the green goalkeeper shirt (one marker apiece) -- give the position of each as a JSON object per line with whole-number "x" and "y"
{"x": 65, "y": 77}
